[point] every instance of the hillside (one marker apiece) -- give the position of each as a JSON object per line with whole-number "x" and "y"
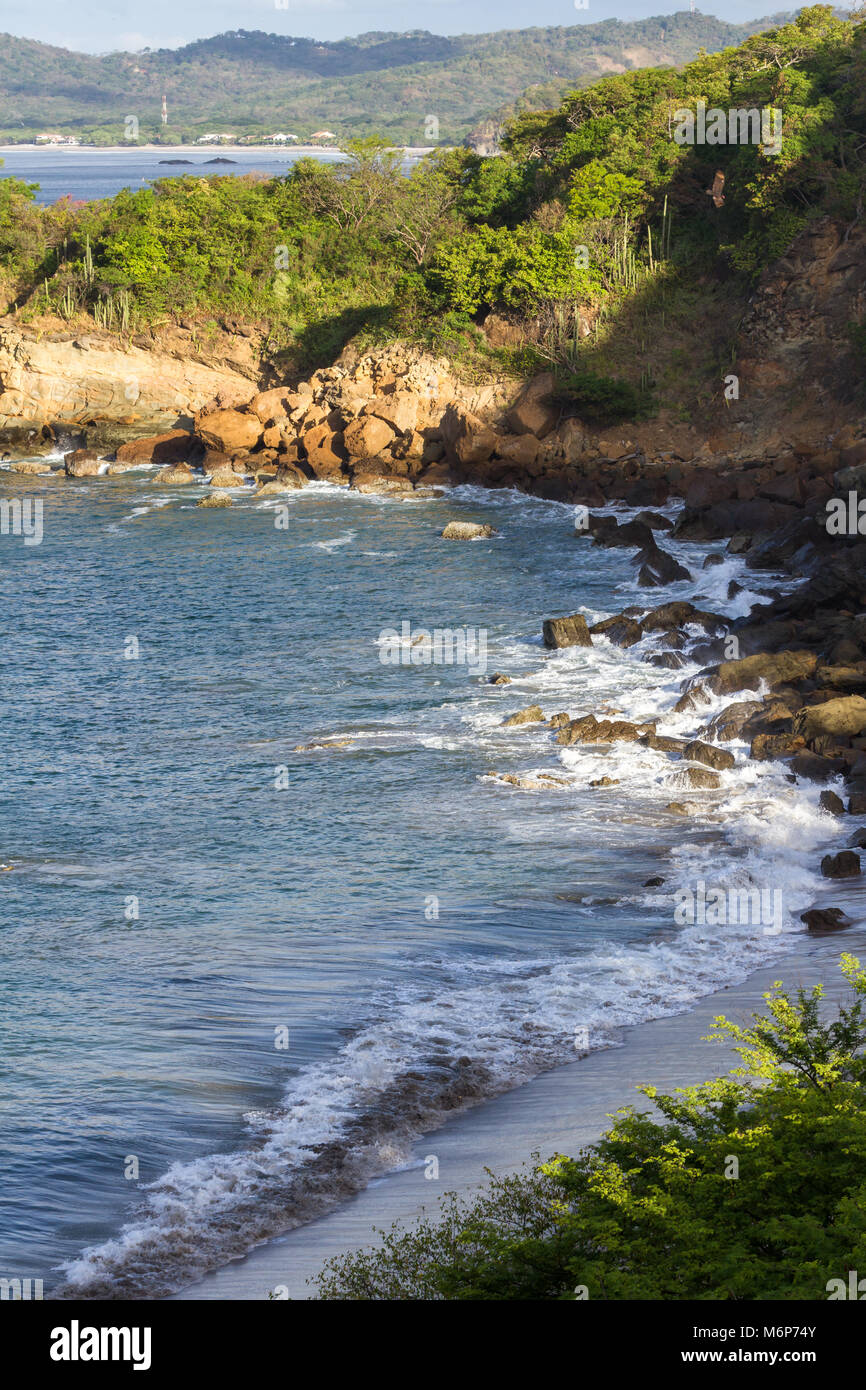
{"x": 252, "y": 83}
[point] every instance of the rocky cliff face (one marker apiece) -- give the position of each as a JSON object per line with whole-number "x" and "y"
{"x": 107, "y": 388}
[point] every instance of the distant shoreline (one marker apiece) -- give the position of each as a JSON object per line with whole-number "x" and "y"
{"x": 171, "y": 151}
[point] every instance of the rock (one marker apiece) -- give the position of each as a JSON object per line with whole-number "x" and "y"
{"x": 275, "y": 404}
{"x": 621, "y": 631}
{"x": 176, "y": 446}
{"x": 845, "y": 864}
{"x": 588, "y": 729}
{"x": 655, "y": 882}
{"x": 825, "y": 919}
{"x": 607, "y": 531}
{"x": 845, "y": 717}
{"x": 566, "y": 632}
{"x": 698, "y": 777}
{"x": 229, "y": 430}
{"x": 771, "y": 669}
{"x": 226, "y": 477}
{"x": 467, "y": 531}
{"x": 730, "y": 722}
{"x": 678, "y": 614}
{"x": 663, "y": 743}
{"x": 558, "y": 721}
{"x": 498, "y": 679}
{"x": 534, "y": 412}
{"x": 768, "y": 747}
{"x": 213, "y": 501}
{"x": 658, "y": 567}
{"x": 815, "y": 768}
{"x": 367, "y": 437}
{"x": 714, "y": 559}
{"x": 30, "y": 466}
{"x": 176, "y": 473}
{"x": 605, "y": 782}
{"x": 400, "y": 411}
{"x": 520, "y": 449}
{"x": 46, "y": 379}
{"x": 287, "y": 480}
{"x": 858, "y": 839}
{"x": 829, "y": 801}
{"x": 326, "y": 453}
{"x": 718, "y": 758}
{"x": 543, "y": 782}
{"x": 81, "y": 463}
{"x": 531, "y": 715}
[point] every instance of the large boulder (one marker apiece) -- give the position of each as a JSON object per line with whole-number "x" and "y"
{"x": 710, "y": 756}
{"x": 533, "y": 714}
{"x": 367, "y": 437}
{"x": 400, "y": 410}
{"x": 273, "y": 405}
{"x": 566, "y": 632}
{"x": 230, "y": 430}
{"x": 842, "y": 718}
{"x": 325, "y": 452}
{"x": 81, "y": 463}
{"x": 534, "y": 411}
{"x": 846, "y": 864}
{"x": 175, "y": 446}
{"x": 771, "y": 669}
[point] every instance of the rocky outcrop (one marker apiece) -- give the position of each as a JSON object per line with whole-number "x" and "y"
{"x": 566, "y": 632}
{"x": 467, "y": 531}
{"x": 110, "y": 387}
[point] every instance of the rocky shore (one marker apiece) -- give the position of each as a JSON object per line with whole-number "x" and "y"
{"x": 399, "y": 422}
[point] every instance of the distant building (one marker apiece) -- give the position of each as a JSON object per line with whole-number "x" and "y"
{"x": 53, "y": 139}
{"x": 215, "y": 138}
{"x": 323, "y": 135}
{"x": 280, "y": 138}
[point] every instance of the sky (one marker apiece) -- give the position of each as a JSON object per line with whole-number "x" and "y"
{"x": 100, "y": 26}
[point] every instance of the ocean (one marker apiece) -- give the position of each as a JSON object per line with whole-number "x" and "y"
{"x": 241, "y": 972}
{"x": 68, "y": 171}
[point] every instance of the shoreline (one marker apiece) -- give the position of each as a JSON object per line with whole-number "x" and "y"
{"x": 300, "y": 148}
{"x": 560, "y": 1110}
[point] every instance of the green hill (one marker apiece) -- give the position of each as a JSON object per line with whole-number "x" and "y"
{"x": 252, "y": 83}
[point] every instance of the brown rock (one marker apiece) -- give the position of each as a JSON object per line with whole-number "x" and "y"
{"x": 566, "y": 632}
{"x": 531, "y": 715}
{"x": 81, "y": 463}
{"x": 718, "y": 758}
{"x": 534, "y": 412}
{"x": 367, "y": 437}
{"x": 772, "y": 668}
{"x": 176, "y": 473}
{"x": 825, "y": 919}
{"x": 176, "y": 446}
{"x": 229, "y": 430}
{"x": 845, "y": 717}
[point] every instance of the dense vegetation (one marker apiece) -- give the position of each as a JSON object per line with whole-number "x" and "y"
{"x": 594, "y": 230}
{"x": 252, "y": 83}
{"x": 752, "y": 1186}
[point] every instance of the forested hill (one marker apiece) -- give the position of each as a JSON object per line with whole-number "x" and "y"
{"x": 250, "y": 83}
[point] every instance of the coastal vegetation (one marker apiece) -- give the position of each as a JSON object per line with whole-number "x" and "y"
{"x": 592, "y": 237}
{"x": 748, "y": 1187}
{"x": 254, "y": 84}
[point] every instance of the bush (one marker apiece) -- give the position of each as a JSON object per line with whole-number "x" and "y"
{"x": 752, "y": 1186}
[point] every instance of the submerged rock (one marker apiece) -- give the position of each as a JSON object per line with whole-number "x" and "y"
{"x": 213, "y": 501}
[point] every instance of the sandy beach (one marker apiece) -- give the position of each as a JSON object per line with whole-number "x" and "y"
{"x": 561, "y": 1110}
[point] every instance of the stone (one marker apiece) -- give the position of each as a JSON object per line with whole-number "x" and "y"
{"x": 534, "y": 412}
{"x": 498, "y": 679}
{"x": 272, "y": 405}
{"x": 845, "y": 864}
{"x": 717, "y": 758}
{"x": 226, "y": 477}
{"x": 36, "y": 466}
{"x": 605, "y": 782}
{"x": 698, "y": 777}
{"x": 81, "y": 463}
{"x": 467, "y": 531}
{"x": 845, "y": 717}
{"x": 829, "y": 801}
{"x": 771, "y": 669}
{"x": 531, "y": 715}
{"x": 175, "y": 446}
{"x": 566, "y": 632}
{"x": 367, "y": 437}
{"x": 176, "y": 473}
{"x": 229, "y": 430}
{"x": 825, "y": 919}
{"x": 213, "y": 501}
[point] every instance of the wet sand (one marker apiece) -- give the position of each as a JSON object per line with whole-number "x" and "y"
{"x": 560, "y": 1110}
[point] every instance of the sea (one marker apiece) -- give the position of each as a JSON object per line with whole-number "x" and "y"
{"x": 269, "y": 906}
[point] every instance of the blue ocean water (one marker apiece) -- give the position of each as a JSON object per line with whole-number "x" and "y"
{"x": 239, "y": 972}
{"x": 80, "y": 173}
